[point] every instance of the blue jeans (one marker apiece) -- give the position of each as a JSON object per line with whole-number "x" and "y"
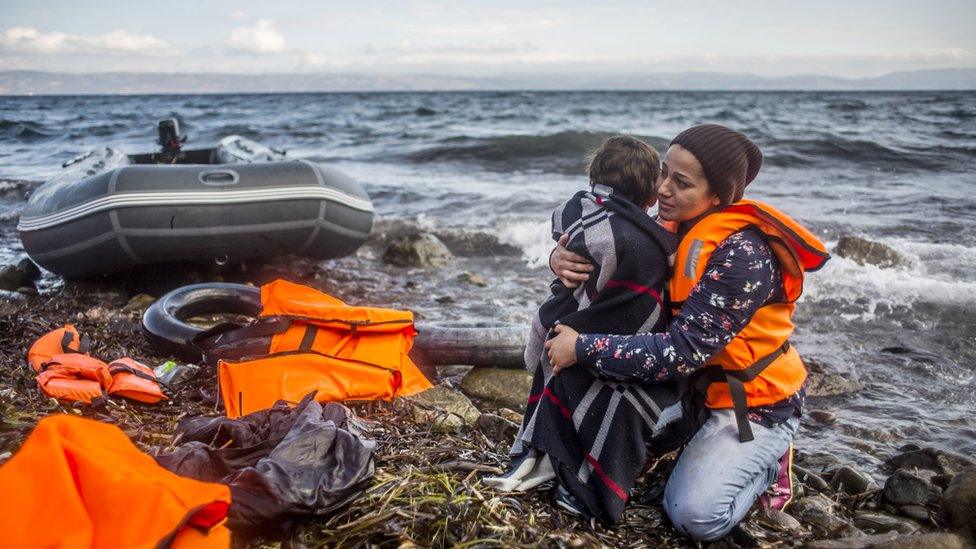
{"x": 717, "y": 478}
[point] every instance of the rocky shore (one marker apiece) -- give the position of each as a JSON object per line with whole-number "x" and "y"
{"x": 434, "y": 448}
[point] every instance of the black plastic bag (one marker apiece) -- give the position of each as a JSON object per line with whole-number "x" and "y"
{"x": 282, "y": 464}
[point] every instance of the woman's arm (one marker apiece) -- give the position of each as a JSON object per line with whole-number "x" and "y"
{"x": 742, "y": 275}
{"x": 571, "y": 269}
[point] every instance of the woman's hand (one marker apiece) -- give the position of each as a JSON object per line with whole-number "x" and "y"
{"x": 570, "y": 268}
{"x": 562, "y": 348}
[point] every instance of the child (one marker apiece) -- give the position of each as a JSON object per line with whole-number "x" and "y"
{"x": 565, "y": 433}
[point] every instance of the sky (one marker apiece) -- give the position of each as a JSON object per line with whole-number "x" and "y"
{"x": 848, "y": 38}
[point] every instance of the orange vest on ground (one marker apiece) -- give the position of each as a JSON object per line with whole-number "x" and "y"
{"x": 67, "y": 372}
{"x": 78, "y": 483}
{"x": 758, "y": 366}
{"x": 306, "y": 340}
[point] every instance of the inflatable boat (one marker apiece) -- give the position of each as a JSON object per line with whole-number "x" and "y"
{"x": 109, "y": 211}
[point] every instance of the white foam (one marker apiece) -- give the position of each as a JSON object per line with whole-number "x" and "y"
{"x": 532, "y": 236}
{"x": 935, "y": 273}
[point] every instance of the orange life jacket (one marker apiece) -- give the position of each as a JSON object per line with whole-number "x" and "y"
{"x": 758, "y": 366}
{"x": 56, "y": 342}
{"x": 74, "y": 377}
{"x": 134, "y": 380}
{"x": 79, "y": 484}
{"x": 305, "y": 340}
{"x": 66, "y": 372}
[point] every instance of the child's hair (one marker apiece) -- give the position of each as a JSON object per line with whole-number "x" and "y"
{"x": 627, "y": 165}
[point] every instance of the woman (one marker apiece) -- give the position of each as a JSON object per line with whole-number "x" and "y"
{"x": 738, "y": 271}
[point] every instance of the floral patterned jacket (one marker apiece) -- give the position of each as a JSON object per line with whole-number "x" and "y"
{"x": 741, "y": 276}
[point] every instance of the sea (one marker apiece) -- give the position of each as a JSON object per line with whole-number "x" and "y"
{"x": 898, "y": 168}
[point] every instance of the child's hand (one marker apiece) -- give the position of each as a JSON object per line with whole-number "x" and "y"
{"x": 570, "y": 268}
{"x": 562, "y": 348}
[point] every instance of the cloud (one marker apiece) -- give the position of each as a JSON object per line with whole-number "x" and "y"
{"x": 31, "y": 40}
{"x": 261, "y": 37}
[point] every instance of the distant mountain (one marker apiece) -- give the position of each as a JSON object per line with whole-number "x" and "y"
{"x": 49, "y": 83}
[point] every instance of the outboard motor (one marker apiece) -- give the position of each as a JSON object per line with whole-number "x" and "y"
{"x": 170, "y": 139}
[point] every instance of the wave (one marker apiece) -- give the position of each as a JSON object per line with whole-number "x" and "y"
{"x": 805, "y": 152}
{"x": 25, "y": 131}
{"x": 563, "y": 152}
{"x": 847, "y": 105}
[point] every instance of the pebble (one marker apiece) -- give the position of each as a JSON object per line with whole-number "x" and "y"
{"x": 851, "y": 481}
{"x": 510, "y": 415}
{"x": 917, "y": 512}
{"x": 444, "y": 409}
{"x": 472, "y": 278}
{"x": 779, "y": 520}
{"x": 879, "y": 523}
{"x": 497, "y": 427}
{"x": 822, "y": 416}
{"x": 138, "y": 303}
{"x": 502, "y": 387}
{"x": 809, "y": 478}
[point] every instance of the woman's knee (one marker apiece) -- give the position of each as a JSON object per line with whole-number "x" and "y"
{"x": 698, "y": 514}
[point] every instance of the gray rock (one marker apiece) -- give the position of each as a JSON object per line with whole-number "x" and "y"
{"x": 935, "y": 540}
{"x": 507, "y": 388}
{"x": 932, "y": 459}
{"x": 30, "y": 269}
{"x": 476, "y": 244}
{"x": 866, "y": 252}
{"x": 778, "y": 520}
{"x": 121, "y": 326}
{"x": 905, "y": 488}
{"x": 823, "y": 384}
{"x": 959, "y": 502}
{"x": 817, "y": 512}
{"x": 11, "y": 303}
{"x": 472, "y": 278}
{"x": 24, "y": 273}
{"x": 880, "y": 523}
{"x": 857, "y": 542}
{"x": 822, "y": 416}
{"x": 138, "y": 303}
{"x": 809, "y": 478}
{"x": 417, "y": 250}
{"x": 828, "y": 525}
{"x": 851, "y": 481}
{"x": 496, "y": 427}
{"x": 444, "y": 409}
{"x": 917, "y": 512}
{"x": 816, "y": 501}
{"x": 511, "y": 415}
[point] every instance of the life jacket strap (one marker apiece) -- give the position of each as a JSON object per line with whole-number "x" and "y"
{"x": 84, "y": 343}
{"x": 116, "y": 367}
{"x": 736, "y": 379}
{"x": 230, "y": 342}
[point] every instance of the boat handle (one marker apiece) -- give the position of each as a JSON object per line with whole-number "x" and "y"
{"x": 219, "y": 177}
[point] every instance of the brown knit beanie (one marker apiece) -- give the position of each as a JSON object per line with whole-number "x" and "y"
{"x": 731, "y": 161}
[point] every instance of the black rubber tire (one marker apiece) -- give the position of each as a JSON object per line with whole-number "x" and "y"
{"x": 489, "y": 344}
{"x": 163, "y": 322}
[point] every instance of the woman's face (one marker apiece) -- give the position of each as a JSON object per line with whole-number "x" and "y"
{"x": 683, "y": 192}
